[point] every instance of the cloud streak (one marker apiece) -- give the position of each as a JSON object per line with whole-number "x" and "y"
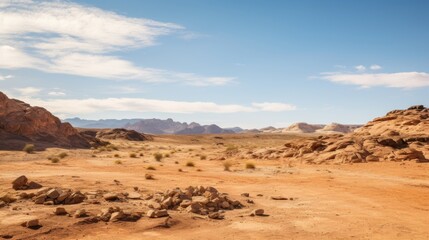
{"x": 405, "y": 80}
{"x": 68, "y": 38}
{"x": 73, "y": 107}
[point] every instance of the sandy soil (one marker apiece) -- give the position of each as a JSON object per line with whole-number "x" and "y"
{"x": 387, "y": 200}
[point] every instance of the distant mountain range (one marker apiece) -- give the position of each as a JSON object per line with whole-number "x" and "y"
{"x": 152, "y": 126}
{"x": 169, "y": 126}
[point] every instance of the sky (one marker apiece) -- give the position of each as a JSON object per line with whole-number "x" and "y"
{"x": 247, "y": 63}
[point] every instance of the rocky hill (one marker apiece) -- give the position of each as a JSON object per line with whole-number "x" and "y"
{"x": 21, "y": 123}
{"x": 115, "y": 134}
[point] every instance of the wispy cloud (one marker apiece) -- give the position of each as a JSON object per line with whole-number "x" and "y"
{"x": 406, "y": 80}
{"x": 73, "y": 107}
{"x": 28, "y": 91}
{"x": 375, "y": 67}
{"x": 5, "y": 77}
{"x": 360, "y": 67}
{"x": 68, "y": 38}
{"x": 56, "y": 93}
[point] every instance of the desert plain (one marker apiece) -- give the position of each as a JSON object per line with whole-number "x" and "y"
{"x": 371, "y": 200}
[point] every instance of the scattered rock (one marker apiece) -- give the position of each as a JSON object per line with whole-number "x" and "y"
{"x": 20, "y": 183}
{"x": 134, "y": 196}
{"x": 117, "y": 216}
{"x": 60, "y": 211}
{"x": 111, "y": 197}
{"x": 245, "y": 194}
{"x": 278, "y": 198}
{"x": 33, "y": 223}
{"x": 157, "y": 213}
{"x": 80, "y": 213}
{"x": 257, "y": 212}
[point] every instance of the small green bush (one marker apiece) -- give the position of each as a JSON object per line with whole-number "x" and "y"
{"x": 28, "y": 148}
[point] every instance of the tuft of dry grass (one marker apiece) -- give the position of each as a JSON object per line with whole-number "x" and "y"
{"x": 250, "y": 165}
{"x": 62, "y": 155}
{"x": 116, "y": 155}
{"x": 190, "y": 164}
{"x": 151, "y": 168}
{"x": 28, "y": 148}
{"x": 158, "y": 156}
{"x": 55, "y": 160}
{"x": 133, "y": 155}
{"x": 203, "y": 157}
{"x": 119, "y": 162}
{"x": 180, "y": 170}
{"x": 227, "y": 165}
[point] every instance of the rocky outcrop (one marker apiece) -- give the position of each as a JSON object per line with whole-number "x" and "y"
{"x": 119, "y": 133}
{"x": 21, "y": 123}
{"x": 401, "y": 135}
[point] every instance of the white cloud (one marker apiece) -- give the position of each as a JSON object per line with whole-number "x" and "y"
{"x": 5, "y": 77}
{"x": 375, "y": 67}
{"x": 404, "y": 80}
{"x": 73, "y": 107}
{"x": 28, "y": 91}
{"x": 360, "y": 68}
{"x": 68, "y": 38}
{"x": 56, "y": 93}
{"x": 274, "y": 107}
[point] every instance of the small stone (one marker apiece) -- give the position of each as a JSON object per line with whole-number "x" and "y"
{"x": 161, "y": 213}
{"x": 34, "y": 185}
{"x": 250, "y": 201}
{"x": 216, "y": 215}
{"x": 225, "y": 205}
{"x": 60, "y": 211}
{"x": 31, "y": 223}
{"x": 2, "y": 204}
{"x": 40, "y": 199}
{"x": 20, "y": 182}
{"x": 200, "y": 199}
{"x": 117, "y": 216}
{"x": 257, "y": 212}
{"x": 80, "y": 213}
{"x": 134, "y": 196}
{"x": 53, "y": 194}
{"x": 278, "y": 198}
{"x": 111, "y": 197}
{"x": 185, "y": 203}
{"x": 245, "y": 194}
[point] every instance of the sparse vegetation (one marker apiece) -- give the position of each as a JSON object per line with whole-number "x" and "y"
{"x": 180, "y": 170}
{"x": 133, "y": 155}
{"x": 119, "y": 162}
{"x": 55, "y": 160}
{"x": 227, "y": 165}
{"x": 176, "y": 162}
{"x": 250, "y": 165}
{"x": 203, "y": 157}
{"x": 190, "y": 164}
{"x": 158, "y": 157}
{"x": 148, "y": 176}
{"x": 62, "y": 155}
{"x": 116, "y": 155}
{"x": 167, "y": 155}
{"x": 28, "y": 148}
{"x": 151, "y": 168}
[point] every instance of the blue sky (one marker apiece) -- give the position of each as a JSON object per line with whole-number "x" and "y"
{"x": 233, "y": 63}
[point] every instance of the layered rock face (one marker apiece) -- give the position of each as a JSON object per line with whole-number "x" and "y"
{"x": 21, "y": 123}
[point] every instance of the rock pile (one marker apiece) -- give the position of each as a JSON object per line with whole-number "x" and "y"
{"x": 55, "y": 196}
{"x": 200, "y": 200}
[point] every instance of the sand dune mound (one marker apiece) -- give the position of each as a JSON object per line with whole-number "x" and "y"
{"x": 21, "y": 123}
{"x": 338, "y": 128}
{"x": 302, "y": 127}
